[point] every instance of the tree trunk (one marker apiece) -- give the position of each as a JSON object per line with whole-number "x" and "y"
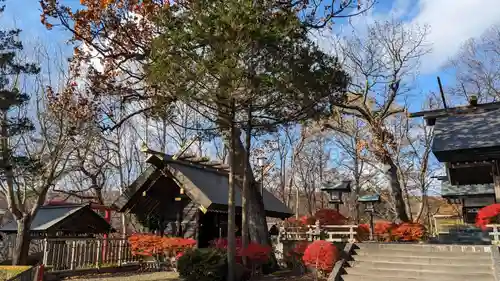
{"x": 397, "y": 193}
{"x": 21, "y": 248}
{"x": 231, "y": 223}
{"x": 423, "y": 206}
{"x": 257, "y": 224}
{"x": 246, "y": 185}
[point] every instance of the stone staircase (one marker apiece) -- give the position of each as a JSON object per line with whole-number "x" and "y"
{"x": 405, "y": 262}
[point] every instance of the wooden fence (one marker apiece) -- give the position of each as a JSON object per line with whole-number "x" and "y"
{"x": 332, "y": 233}
{"x": 84, "y": 253}
{"x": 494, "y": 233}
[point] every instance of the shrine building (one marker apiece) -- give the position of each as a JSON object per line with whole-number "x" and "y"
{"x": 467, "y": 141}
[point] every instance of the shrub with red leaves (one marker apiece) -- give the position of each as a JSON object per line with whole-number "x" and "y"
{"x": 321, "y": 255}
{"x": 295, "y": 223}
{"x": 150, "y": 245}
{"x": 306, "y": 221}
{"x": 330, "y": 217}
{"x": 255, "y": 252}
{"x": 383, "y": 230}
{"x": 363, "y": 232}
{"x": 221, "y": 243}
{"x": 408, "y": 232}
{"x": 324, "y": 216}
{"x": 487, "y": 214}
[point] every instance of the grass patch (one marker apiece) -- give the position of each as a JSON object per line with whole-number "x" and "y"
{"x": 7, "y": 271}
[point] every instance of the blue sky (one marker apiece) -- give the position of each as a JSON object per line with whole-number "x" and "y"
{"x": 452, "y": 22}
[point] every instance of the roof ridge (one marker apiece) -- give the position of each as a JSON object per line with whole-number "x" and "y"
{"x": 64, "y": 205}
{"x": 169, "y": 158}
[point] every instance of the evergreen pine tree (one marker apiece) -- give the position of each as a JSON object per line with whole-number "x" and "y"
{"x": 12, "y": 125}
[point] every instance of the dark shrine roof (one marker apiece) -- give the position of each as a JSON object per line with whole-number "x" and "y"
{"x": 470, "y": 190}
{"x": 464, "y": 137}
{"x": 469, "y": 133}
{"x": 204, "y": 185}
{"x": 73, "y": 218}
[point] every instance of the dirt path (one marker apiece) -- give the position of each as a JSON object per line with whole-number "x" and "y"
{"x": 132, "y": 276}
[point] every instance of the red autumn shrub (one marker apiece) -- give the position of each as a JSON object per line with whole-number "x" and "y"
{"x": 149, "y": 245}
{"x": 321, "y": 255}
{"x": 382, "y": 230}
{"x": 408, "y": 232}
{"x": 306, "y": 220}
{"x": 330, "y": 217}
{"x": 145, "y": 244}
{"x": 256, "y": 253}
{"x": 296, "y": 223}
{"x": 487, "y": 214}
{"x": 363, "y": 232}
{"x": 221, "y": 243}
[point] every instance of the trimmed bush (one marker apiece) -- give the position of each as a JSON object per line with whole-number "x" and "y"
{"x": 203, "y": 265}
{"x": 321, "y": 255}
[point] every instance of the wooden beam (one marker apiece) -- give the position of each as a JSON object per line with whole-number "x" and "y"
{"x": 469, "y": 164}
{"x": 199, "y": 160}
{"x": 459, "y": 109}
{"x": 185, "y": 147}
{"x": 184, "y": 157}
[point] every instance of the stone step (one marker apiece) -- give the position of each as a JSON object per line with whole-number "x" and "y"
{"x": 472, "y": 249}
{"x": 402, "y": 272}
{"x": 410, "y": 253}
{"x": 358, "y": 277}
{"x": 463, "y": 260}
{"x": 477, "y": 268}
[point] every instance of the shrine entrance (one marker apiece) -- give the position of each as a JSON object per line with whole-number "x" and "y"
{"x": 213, "y": 225}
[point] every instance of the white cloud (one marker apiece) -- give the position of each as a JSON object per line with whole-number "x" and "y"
{"x": 453, "y": 22}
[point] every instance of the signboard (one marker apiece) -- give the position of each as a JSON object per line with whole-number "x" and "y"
{"x": 479, "y": 201}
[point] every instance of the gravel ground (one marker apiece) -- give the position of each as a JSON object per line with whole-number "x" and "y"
{"x": 172, "y": 276}
{"x": 150, "y": 276}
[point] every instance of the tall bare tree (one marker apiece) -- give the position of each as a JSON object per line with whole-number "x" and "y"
{"x": 477, "y": 67}
{"x": 355, "y": 160}
{"x": 383, "y": 65}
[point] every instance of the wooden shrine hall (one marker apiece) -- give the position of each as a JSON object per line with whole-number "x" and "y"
{"x": 467, "y": 140}
{"x": 68, "y": 221}
{"x": 191, "y": 190}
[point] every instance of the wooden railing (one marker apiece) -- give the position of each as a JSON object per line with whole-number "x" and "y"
{"x": 494, "y": 233}
{"x": 84, "y": 253}
{"x": 332, "y": 233}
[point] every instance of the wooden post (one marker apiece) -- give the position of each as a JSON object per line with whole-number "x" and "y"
{"x": 495, "y": 235}
{"x": 120, "y": 250}
{"x": 496, "y": 181}
{"x": 73, "y": 255}
{"x": 45, "y": 251}
{"x": 351, "y": 234}
{"x": 98, "y": 254}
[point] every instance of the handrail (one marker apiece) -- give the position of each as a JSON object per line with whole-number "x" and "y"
{"x": 315, "y": 232}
